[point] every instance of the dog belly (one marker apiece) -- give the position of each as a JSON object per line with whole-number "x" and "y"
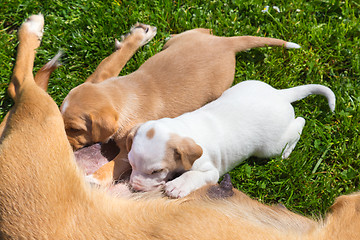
{"x": 91, "y": 158}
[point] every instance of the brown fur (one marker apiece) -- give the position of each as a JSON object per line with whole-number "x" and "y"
{"x": 164, "y": 86}
{"x": 150, "y": 133}
{"x": 187, "y": 151}
{"x": 44, "y": 196}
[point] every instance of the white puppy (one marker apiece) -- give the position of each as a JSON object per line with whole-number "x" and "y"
{"x": 249, "y": 119}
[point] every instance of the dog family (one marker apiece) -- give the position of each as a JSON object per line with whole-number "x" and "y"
{"x": 249, "y": 119}
{"x": 43, "y": 195}
{"x": 108, "y": 107}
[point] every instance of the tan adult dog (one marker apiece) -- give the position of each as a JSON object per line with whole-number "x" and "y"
{"x": 194, "y": 68}
{"x": 43, "y": 195}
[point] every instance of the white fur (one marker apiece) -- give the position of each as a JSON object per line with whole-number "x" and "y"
{"x": 35, "y": 24}
{"x": 249, "y": 119}
{"x": 55, "y": 61}
{"x": 292, "y": 45}
{"x": 141, "y": 178}
{"x": 64, "y": 106}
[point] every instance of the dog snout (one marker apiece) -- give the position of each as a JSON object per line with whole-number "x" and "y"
{"x": 139, "y": 186}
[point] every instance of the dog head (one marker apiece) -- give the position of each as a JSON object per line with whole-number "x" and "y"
{"x": 88, "y": 117}
{"x": 157, "y": 155}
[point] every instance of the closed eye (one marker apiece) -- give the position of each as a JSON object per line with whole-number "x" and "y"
{"x": 157, "y": 171}
{"x": 74, "y": 131}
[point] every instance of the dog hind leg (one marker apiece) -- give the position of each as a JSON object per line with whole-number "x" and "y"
{"x": 33, "y": 25}
{"x": 139, "y": 35}
{"x": 292, "y": 136}
{"x": 30, "y": 34}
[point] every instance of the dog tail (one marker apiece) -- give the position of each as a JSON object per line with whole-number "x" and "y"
{"x": 300, "y": 92}
{"x": 242, "y": 43}
{"x": 43, "y": 75}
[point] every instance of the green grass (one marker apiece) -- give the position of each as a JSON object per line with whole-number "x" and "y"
{"x": 324, "y": 164}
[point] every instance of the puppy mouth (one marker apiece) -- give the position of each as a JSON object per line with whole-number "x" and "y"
{"x": 138, "y": 187}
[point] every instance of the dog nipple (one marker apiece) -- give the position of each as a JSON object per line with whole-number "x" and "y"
{"x": 223, "y": 190}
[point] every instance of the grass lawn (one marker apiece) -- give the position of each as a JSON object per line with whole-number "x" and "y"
{"x": 324, "y": 164}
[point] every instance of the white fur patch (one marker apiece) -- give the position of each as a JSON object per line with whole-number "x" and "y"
{"x": 35, "y": 24}
{"x": 64, "y": 106}
{"x": 55, "y": 61}
{"x": 292, "y": 45}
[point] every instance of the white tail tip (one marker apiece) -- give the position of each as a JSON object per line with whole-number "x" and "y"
{"x": 332, "y": 107}
{"x": 292, "y": 45}
{"x": 55, "y": 61}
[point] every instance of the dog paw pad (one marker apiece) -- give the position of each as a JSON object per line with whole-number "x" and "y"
{"x": 146, "y": 32}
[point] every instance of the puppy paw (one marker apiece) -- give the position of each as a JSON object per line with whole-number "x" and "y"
{"x": 34, "y": 24}
{"x": 178, "y": 188}
{"x": 143, "y": 32}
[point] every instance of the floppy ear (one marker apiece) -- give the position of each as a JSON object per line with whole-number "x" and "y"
{"x": 188, "y": 150}
{"x": 130, "y": 137}
{"x": 103, "y": 124}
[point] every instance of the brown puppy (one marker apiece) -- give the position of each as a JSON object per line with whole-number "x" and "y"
{"x": 44, "y": 196}
{"x": 194, "y": 68}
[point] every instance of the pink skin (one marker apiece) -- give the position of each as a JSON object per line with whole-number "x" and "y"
{"x": 91, "y": 158}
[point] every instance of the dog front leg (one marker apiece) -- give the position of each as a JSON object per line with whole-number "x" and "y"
{"x": 189, "y": 182}
{"x": 110, "y": 171}
{"x": 139, "y": 35}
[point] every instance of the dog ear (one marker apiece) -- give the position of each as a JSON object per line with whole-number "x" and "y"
{"x": 188, "y": 151}
{"x": 103, "y": 124}
{"x": 130, "y": 137}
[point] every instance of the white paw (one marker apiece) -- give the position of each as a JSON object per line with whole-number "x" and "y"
{"x": 286, "y": 154}
{"x": 147, "y": 32}
{"x": 35, "y": 24}
{"x": 178, "y": 188}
